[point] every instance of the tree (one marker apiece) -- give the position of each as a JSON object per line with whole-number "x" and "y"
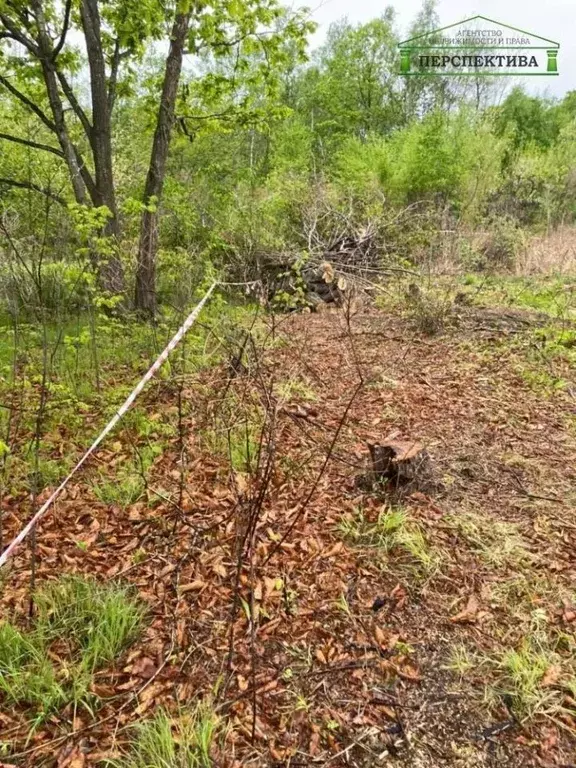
{"x": 246, "y": 43}
{"x": 38, "y": 64}
{"x": 528, "y": 120}
{"x": 145, "y": 296}
{"x": 354, "y": 86}
{"x": 40, "y": 60}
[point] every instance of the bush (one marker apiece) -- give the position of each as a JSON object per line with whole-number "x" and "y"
{"x": 58, "y": 287}
{"x": 502, "y": 246}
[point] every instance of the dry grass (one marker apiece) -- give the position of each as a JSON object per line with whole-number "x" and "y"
{"x": 552, "y": 253}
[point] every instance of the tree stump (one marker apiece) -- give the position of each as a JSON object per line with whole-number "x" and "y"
{"x": 402, "y": 463}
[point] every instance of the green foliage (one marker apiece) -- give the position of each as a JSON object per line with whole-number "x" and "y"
{"x": 92, "y": 623}
{"x": 527, "y": 120}
{"x": 355, "y": 89}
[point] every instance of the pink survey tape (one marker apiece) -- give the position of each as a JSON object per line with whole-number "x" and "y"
{"x": 172, "y": 344}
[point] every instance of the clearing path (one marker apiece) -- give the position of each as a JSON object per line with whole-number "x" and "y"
{"x": 327, "y": 620}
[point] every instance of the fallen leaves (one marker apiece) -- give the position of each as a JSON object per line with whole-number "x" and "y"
{"x": 551, "y": 676}
{"x": 327, "y": 620}
{"x": 469, "y": 613}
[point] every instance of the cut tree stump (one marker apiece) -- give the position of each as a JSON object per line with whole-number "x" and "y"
{"x": 403, "y": 463}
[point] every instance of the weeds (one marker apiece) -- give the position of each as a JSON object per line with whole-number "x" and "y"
{"x": 498, "y": 543}
{"x": 235, "y": 435}
{"x": 102, "y": 619}
{"x": 392, "y": 532}
{"x": 461, "y": 660}
{"x": 295, "y": 389}
{"x": 181, "y": 742}
{"x": 536, "y": 675}
{"x": 125, "y": 490}
{"x": 80, "y": 626}
{"x": 430, "y": 311}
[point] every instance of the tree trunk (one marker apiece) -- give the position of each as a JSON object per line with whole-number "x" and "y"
{"x": 45, "y": 55}
{"x": 111, "y": 272}
{"x": 145, "y": 298}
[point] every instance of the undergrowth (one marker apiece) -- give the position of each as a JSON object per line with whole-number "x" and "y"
{"x": 393, "y": 532}
{"x": 80, "y": 626}
{"x": 184, "y": 741}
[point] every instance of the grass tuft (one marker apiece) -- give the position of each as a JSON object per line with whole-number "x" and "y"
{"x": 498, "y": 543}
{"x": 80, "y": 626}
{"x": 166, "y": 742}
{"x": 393, "y": 531}
{"x": 103, "y": 619}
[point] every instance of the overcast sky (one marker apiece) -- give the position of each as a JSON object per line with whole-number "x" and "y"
{"x": 553, "y": 19}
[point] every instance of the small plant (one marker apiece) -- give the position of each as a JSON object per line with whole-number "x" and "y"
{"x": 535, "y": 674}
{"x": 103, "y": 619}
{"x": 461, "y": 660}
{"x": 124, "y": 491}
{"x": 91, "y": 624}
{"x": 292, "y": 292}
{"x": 392, "y": 531}
{"x": 431, "y": 312}
{"x": 238, "y": 441}
{"x": 503, "y": 245}
{"x": 166, "y": 742}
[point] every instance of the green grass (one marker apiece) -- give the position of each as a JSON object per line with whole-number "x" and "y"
{"x": 125, "y": 490}
{"x": 498, "y": 543}
{"x": 295, "y": 389}
{"x": 79, "y": 627}
{"x": 537, "y": 673}
{"x": 76, "y": 405}
{"x": 522, "y": 673}
{"x": 166, "y": 742}
{"x": 461, "y": 660}
{"x": 27, "y": 675}
{"x": 549, "y": 294}
{"x": 102, "y": 619}
{"x": 393, "y": 532}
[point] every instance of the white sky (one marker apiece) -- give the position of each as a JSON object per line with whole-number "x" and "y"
{"x": 553, "y": 19}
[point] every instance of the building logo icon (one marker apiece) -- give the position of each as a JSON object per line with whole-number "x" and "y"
{"x": 478, "y": 46}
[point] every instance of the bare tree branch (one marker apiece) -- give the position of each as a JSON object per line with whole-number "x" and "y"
{"x": 28, "y": 103}
{"x": 65, "y": 28}
{"x": 32, "y": 144}
{"x": 34, "y": 188}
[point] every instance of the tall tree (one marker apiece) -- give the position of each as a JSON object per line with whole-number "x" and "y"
{"x": 39, "y": 61}
{"x": 39, "y": 57}
{"x": 242, "y": 46}
{"x": 354, "y": 85}
{"x": 145, "y": 297}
